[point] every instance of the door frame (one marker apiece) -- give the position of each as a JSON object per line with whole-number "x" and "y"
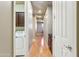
{"x": 14, "y": 26}
{"x": 14, "y": 23}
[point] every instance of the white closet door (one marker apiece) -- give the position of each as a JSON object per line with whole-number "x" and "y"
{"x": 20, "y": 42}
{"x": 19, "y": 36}
{"x": 64, "y": 29}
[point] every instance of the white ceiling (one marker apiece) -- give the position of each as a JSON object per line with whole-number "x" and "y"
{"x": 40, "y": 5}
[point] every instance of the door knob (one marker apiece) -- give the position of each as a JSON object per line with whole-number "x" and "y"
{"x": 68, "y": 47}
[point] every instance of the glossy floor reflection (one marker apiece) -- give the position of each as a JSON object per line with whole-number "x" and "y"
{"x": 39, "y": 47}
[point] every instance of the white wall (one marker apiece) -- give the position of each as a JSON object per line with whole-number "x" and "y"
{"x": 49, "y": 20}
{"x": 28, "y": 26}
{"x": 40, "y": 27}
{"x": 34, "y": 25}
{"x": 46, "y": 25}
{"x": 5, "y": 29}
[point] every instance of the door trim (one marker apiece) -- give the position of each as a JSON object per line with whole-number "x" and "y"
{"x": 14, "y": 23}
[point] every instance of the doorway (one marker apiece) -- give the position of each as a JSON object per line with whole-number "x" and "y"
{"x": 53, "y": 20}
{"x": 19, "y": 30}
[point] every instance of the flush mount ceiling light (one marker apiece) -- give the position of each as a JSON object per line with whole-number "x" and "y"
{"x": 39, "y": 11}
{"x": 39, "y": 16}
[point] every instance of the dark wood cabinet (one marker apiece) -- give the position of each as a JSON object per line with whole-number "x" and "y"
{"x": 20, "y": 19}
{"x": 50, "y": 42}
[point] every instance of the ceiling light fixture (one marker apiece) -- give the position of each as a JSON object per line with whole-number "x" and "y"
{"x": 39, "y": 16}
{"x": 39, "y": 11}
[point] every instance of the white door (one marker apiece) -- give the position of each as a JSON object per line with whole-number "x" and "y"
{"x": 20, "y": 43}
{"x": 64, "y": 28}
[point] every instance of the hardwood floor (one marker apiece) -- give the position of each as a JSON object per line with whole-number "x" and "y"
{"x": 39, "y": 48}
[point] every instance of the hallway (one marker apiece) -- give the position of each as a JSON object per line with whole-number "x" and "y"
{"x": 39, "y": 44}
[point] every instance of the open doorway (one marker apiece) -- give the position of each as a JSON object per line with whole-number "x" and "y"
{"x": 47, "y": 29}
{"x": 39, "y": 22}
{"x": 42, "y": 26}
